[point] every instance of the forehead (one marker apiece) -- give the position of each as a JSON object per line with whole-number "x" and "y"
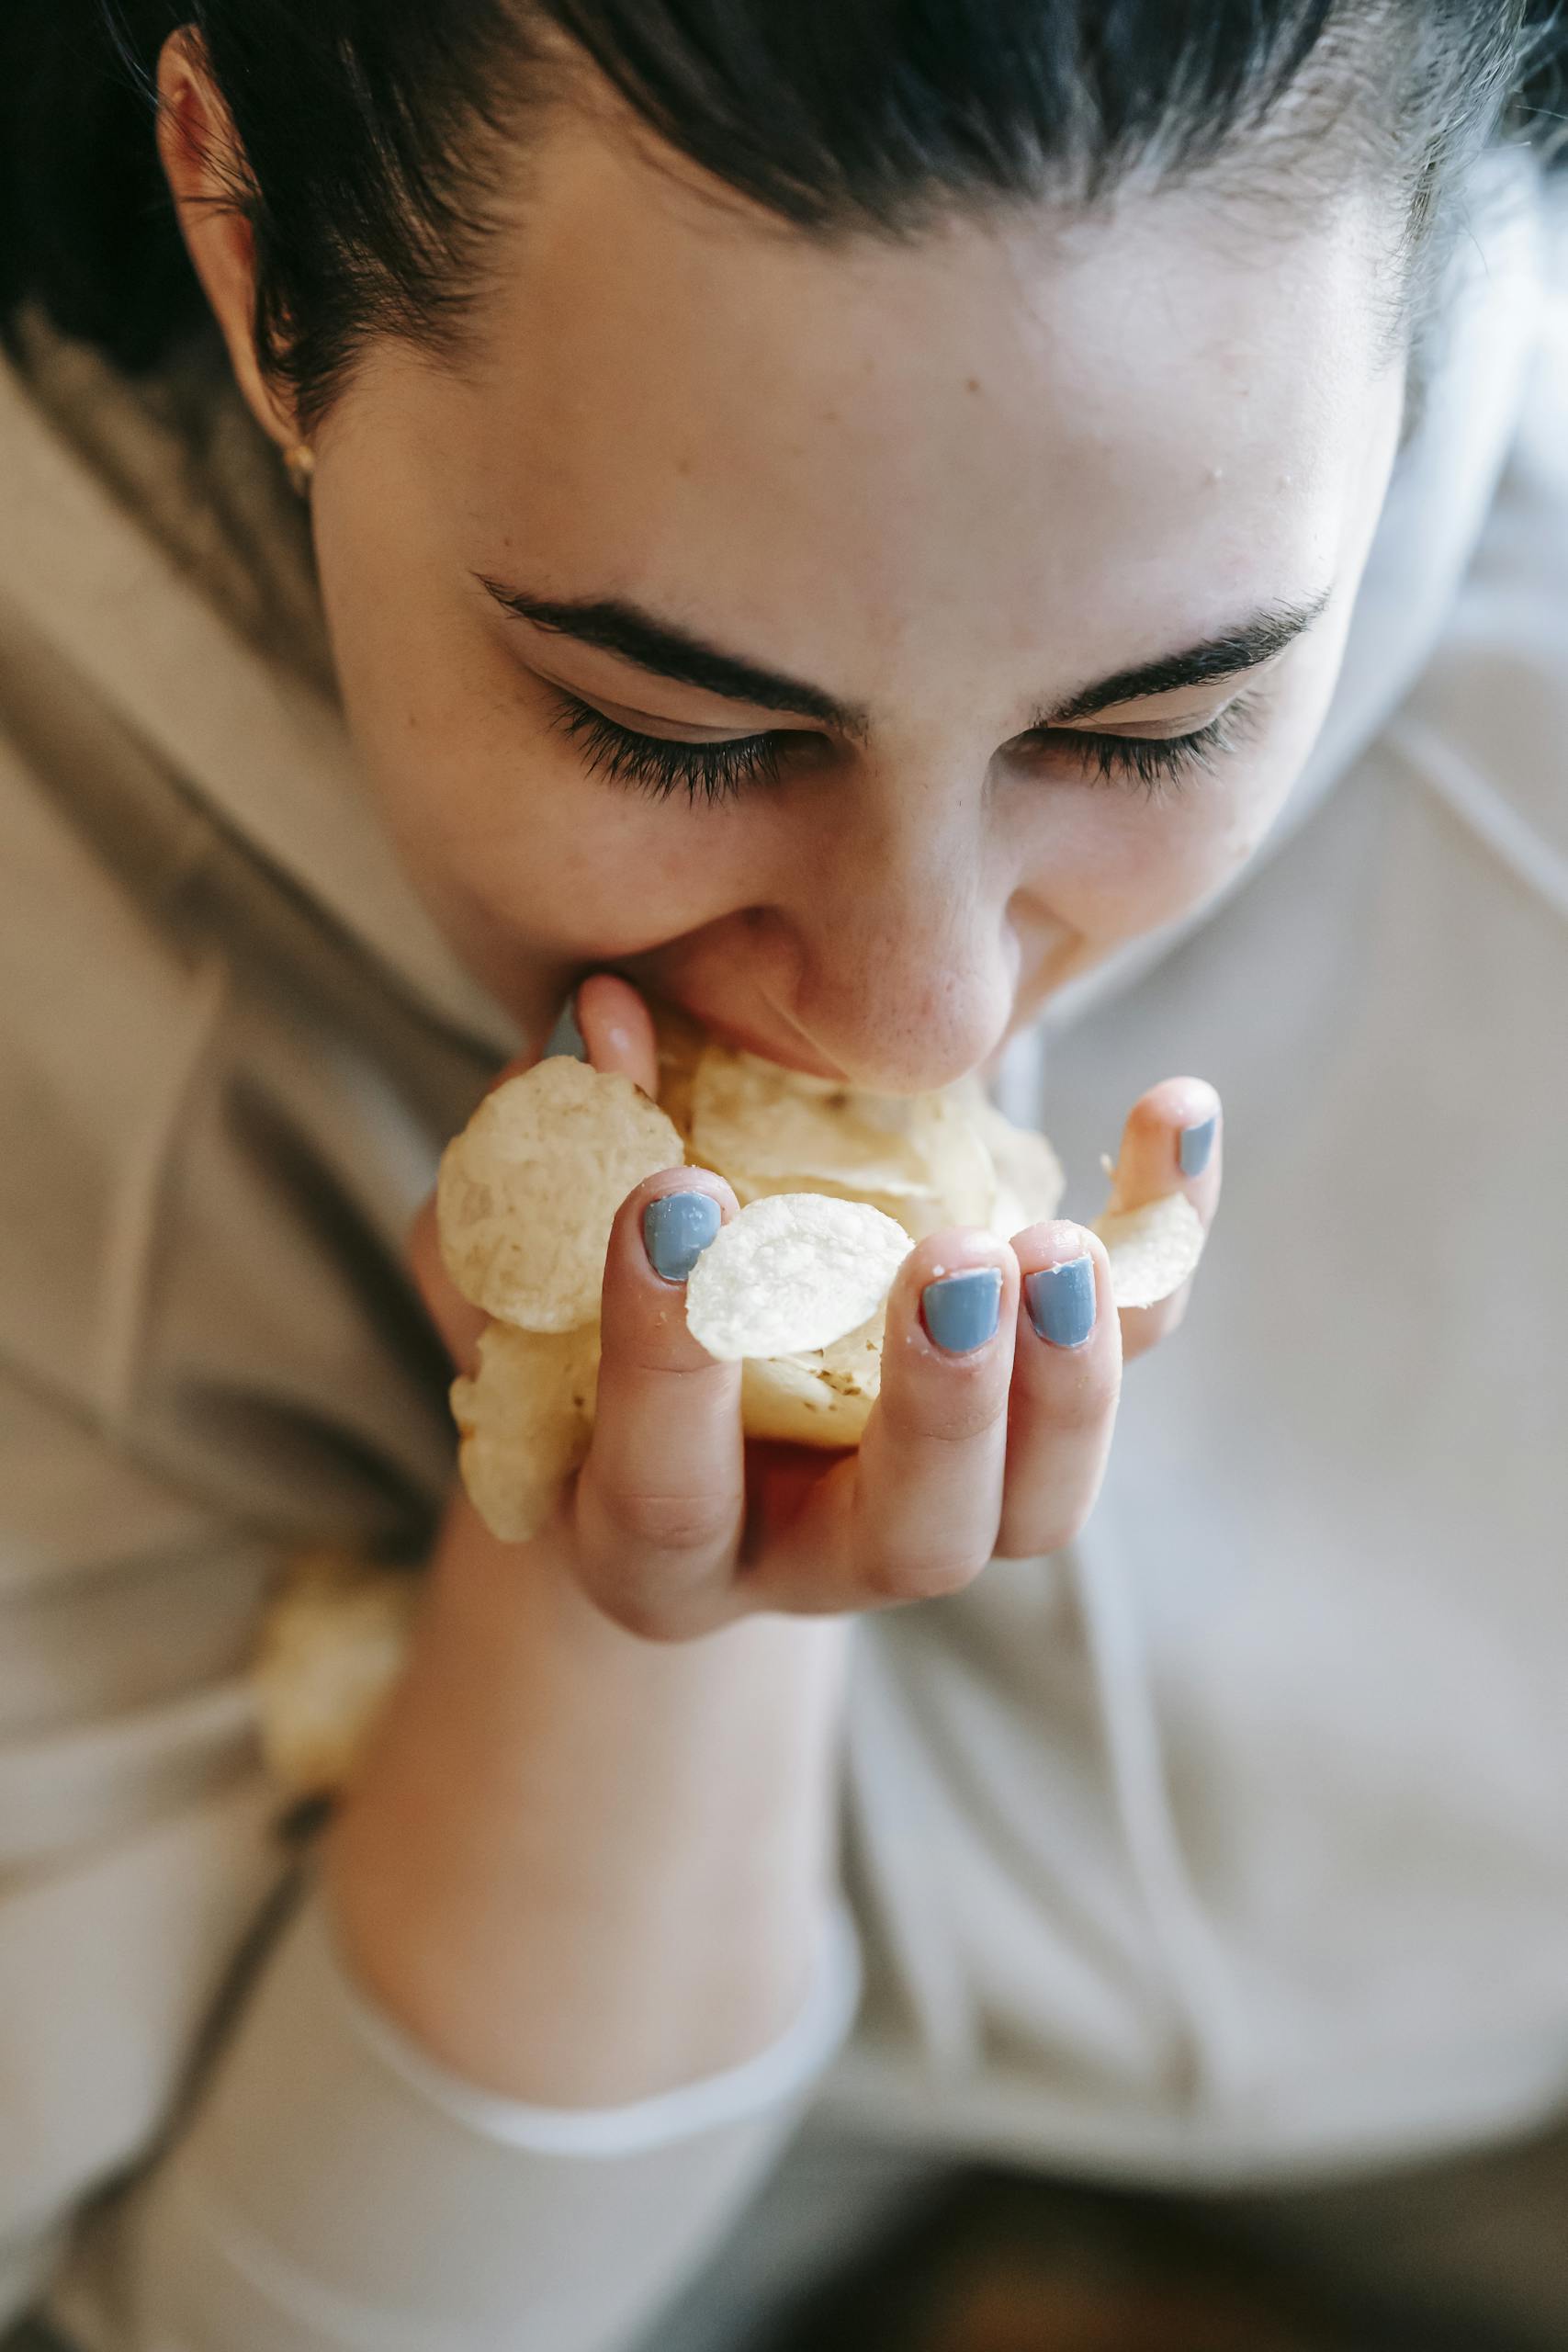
{"x": 1089, "y": 430}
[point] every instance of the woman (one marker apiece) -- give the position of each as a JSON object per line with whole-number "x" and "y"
{"x": 866, "y": 521}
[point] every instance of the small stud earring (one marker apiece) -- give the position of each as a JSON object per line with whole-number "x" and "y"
{"x": 300, "y": 461}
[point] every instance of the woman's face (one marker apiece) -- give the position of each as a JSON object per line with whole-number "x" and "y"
{"x": 811, "y": 631}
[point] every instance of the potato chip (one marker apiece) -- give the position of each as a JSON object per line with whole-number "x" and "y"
{"x": 681, "y": 1044}
{"x": 836, "y": 1185}
{"x": 821, "y": 1396}
{"x": 1152, "y": 1250}
{"x": 793, "y": 1271}
{"x": 762, "y": 1124}
{"x": 960, "y": 1173}
{"x": 919, "y": 1213}
{"x": 331, "y": 1647}
{"x": 765, "y": 1121}
{"x": 1030, "y": 1182}
{"x": 526, "y": 1417}
{"x": 528, "y": 1191}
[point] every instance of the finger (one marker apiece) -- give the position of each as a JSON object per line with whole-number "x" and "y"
{"x": 1171, "y": 1143}
{"x": 661, "y": 1500}
{"x": 1066, "y": 1381}
{"x": 619, "y": 1036}
{"x": 458, "y": 1324}
{"x": 915, "y": 1512}
{"x": 617, "y": 1029}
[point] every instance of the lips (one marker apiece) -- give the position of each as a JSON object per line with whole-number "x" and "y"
{"x": 789, "y": 1053}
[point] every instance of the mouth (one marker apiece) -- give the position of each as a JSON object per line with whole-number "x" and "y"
{"x": 658, "y": 977}
{"x": 790, "y": 1053}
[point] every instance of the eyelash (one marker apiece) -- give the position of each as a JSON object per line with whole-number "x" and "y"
{"x": 708, "y": 772}
{"x": 1159, "y": 769}
{"x": 715, "y": 773}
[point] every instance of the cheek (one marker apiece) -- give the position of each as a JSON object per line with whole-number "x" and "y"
{"x": 516, "y": 849}
{"x": 1114, "y": 862}
{"x": 1129, "y": 865}
{"x": 513, "y": 841}
{"x": 563, "y": 864}
{"x": 1120, "y": 864}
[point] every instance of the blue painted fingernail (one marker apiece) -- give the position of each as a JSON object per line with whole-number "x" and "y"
{"x": 1060, "y": 1300}
{"x": 676, "y": 1229}
{"x": 961, "y": 1310}
{"x": 1194, "y": 1145}
{"x": 566, "y": 1037}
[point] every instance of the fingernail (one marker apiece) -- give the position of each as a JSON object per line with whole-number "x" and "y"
{"x": 566, "y": 1037}
{"x": 960, "y": 1310}
{"x": 1060, "y": 1300}
{"x": 676, "y": 1229}
{"x": 1194, "y": 1145}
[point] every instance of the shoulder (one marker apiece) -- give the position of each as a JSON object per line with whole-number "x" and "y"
{"x": 220, "y": 1103}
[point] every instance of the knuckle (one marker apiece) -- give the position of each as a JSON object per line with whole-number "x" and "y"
{"x": 645, "y": 1614}
{"x": 893, "y": 1578}
{"x": 1080, "y": 1404}
{"x": 956, "y": 1418}
{"x": 666, "y": 1523}
{"x": 652, "y": 1351}
{"x": 1038, "y": 1538}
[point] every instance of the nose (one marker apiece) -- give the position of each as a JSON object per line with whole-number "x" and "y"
{"x": 905, "y": 959}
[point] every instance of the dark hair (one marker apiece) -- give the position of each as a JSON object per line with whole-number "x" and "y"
{"x": 373, "y": 134}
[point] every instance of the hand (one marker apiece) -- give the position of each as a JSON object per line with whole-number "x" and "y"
{"x": 675, "y": 1526}
{"x": 584, "y": 1856}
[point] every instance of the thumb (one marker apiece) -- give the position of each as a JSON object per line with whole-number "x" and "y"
{"x": 604, "y": 1022}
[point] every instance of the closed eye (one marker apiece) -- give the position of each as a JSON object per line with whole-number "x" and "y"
{"x": 654, "y": 765}
{"x": 1160, "y": 765}
{"x": 715, "y": 773}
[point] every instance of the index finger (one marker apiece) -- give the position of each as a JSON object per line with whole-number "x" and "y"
{"x": 660, "y": 1498}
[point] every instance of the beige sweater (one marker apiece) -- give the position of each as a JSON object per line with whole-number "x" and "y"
{"x": 231, "y": 1046}
{"x": 1228, "y": 1845}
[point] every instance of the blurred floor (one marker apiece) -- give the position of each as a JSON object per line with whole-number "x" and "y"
{"x": 855, "y": 2249}
{"x": 860, "y": 2247}
{"x": 1001, "y": 2263}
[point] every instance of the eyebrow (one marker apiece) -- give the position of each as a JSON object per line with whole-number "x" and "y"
{"x": 654, "y": 645}
{"x": 1254, "y": 640}
{"x": 614, "y": 626}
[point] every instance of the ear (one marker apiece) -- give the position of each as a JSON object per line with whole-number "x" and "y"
{"x": 199, "y": 153}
